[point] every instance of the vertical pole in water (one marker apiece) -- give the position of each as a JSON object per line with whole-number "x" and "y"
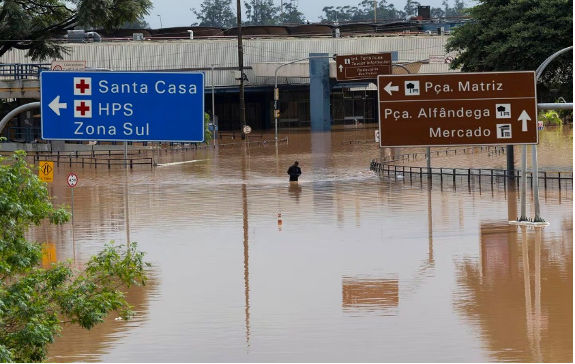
{"x": 72, "y": 206}
{"x": 535, "y": 181}
{"x": 510, "y": 161}
{"x": 213, "y": 107}
{"x": 538, "y": 74}
{"x": 428, "y": 152}
{"x": 523, "y": 216}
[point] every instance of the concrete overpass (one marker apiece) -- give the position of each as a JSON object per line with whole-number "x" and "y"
{"x": 20, "y": 89}
{"x": 30, "y": 88}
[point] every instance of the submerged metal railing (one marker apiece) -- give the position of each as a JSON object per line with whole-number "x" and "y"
{"x": 480, "y": 174}
{"x": 94, "y": 158}
{"x": 22, "y": 71}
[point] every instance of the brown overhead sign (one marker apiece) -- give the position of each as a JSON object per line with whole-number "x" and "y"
{"x": 362, "y": 66}
{"x": 457, "y": 109}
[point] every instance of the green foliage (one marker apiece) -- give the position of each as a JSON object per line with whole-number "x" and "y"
{"x": 549, "y": 117}
{"x": 458, "y": 9}
{"x": 33, "y": 25}
{"x": 36, "y": 302}
{"x": 136, "y": 24}
{"x": 207, "y": 133}
{"x": 261, "y": 12}
{"x": 362, "y": 12}
{"x": 291, "y": 13}
{"x": 216, "y": 13}
{"x": 411, "y": 7}
{"x": 513, "y": 35}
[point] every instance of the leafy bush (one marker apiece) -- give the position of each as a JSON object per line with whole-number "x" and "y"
{"x": 36, "y": 302}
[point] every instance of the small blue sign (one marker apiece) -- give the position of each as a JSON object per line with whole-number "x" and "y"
{"x": 122, "y": 106}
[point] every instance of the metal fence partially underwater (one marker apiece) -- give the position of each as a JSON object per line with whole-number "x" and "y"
{"x": 398, "y": 168}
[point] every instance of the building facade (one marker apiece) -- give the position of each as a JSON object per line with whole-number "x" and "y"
{"x": 351, "y": 102}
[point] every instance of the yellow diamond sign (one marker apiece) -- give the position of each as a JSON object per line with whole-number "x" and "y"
{"x": 46, "y": 172}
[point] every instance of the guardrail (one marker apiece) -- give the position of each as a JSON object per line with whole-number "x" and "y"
{"x": 22, "y": 71}
{"x": 93, "y": 159}
{"x": 489, "y": 174}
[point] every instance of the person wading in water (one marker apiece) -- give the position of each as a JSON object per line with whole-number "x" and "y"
{"x": 294, "y": 172}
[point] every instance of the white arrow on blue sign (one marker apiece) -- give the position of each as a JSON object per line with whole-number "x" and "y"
{"x": 122, "y": 106}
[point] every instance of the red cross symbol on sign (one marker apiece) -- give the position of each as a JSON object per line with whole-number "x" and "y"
{"x": 83, "y": 86}
{"x": 82, "y": 108}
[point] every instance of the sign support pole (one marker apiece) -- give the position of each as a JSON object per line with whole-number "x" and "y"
{"x": 72, "y": 182}
{"x": 213, "y": 106}
{"x": 537, "y": 218}
{"x": 535, "y": 184}
{"x": 72, "y": 206}
{"x": 510, "y": 161}
{"x": 523, "y": 191}
{"x": 428, "y": 155}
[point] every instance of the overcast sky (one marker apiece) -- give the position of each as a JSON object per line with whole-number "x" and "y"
{"x": 175, "y": 13}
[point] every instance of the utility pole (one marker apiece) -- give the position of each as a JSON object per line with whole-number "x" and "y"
{"x": 374, "y": 11}
{"x": 241, "y": 67}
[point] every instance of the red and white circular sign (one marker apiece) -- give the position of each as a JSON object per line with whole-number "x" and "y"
{"x": 72, "y": 180}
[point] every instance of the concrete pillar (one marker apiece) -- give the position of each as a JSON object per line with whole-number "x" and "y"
{"x": 58, "y": 145}
{"x": 319, "y": 92}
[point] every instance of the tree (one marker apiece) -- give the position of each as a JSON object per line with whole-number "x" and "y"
{"x": 411, "y": 7}
{"x": 513, "y": 35}
{"x": 387, "y": 11}
{"x": 261, "y": 12}
{"x": 365, "y": 11}
{"x": 216, "y": 13}
{"x": 136, "y": 24}
{"x": 36, "y": 302}
{"x": 384, "y": 10}
{"x": 437, "y": 13}
{"x": 291, "y": 13}
{"x": 340, "y": 13}
{"x": 458, "y": 10}
{"x": 34, "y": 25}
{"x": 362, "y": 12}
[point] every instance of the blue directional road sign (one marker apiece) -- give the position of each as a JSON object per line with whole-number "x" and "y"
{"x": 122, "y": 106}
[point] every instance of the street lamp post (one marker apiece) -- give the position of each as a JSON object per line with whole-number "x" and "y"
{"x": 161, "y": 25}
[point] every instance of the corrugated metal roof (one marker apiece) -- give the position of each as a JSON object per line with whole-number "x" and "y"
{"x": 223, "y": 54}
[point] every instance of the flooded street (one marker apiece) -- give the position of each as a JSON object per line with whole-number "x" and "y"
{"x": 345, "y": 266}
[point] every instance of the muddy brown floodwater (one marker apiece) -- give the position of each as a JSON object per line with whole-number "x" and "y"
{"x": 358, "y": 268}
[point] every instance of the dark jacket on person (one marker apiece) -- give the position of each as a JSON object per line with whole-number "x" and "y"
{"x": 294, "y": 172}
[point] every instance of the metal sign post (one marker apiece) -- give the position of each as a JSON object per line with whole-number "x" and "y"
{"x": 523, "y": 191}
{"x": 428, "y": 161}
{"x": 72, "y": 182}
{"x": 543, "y": 106}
